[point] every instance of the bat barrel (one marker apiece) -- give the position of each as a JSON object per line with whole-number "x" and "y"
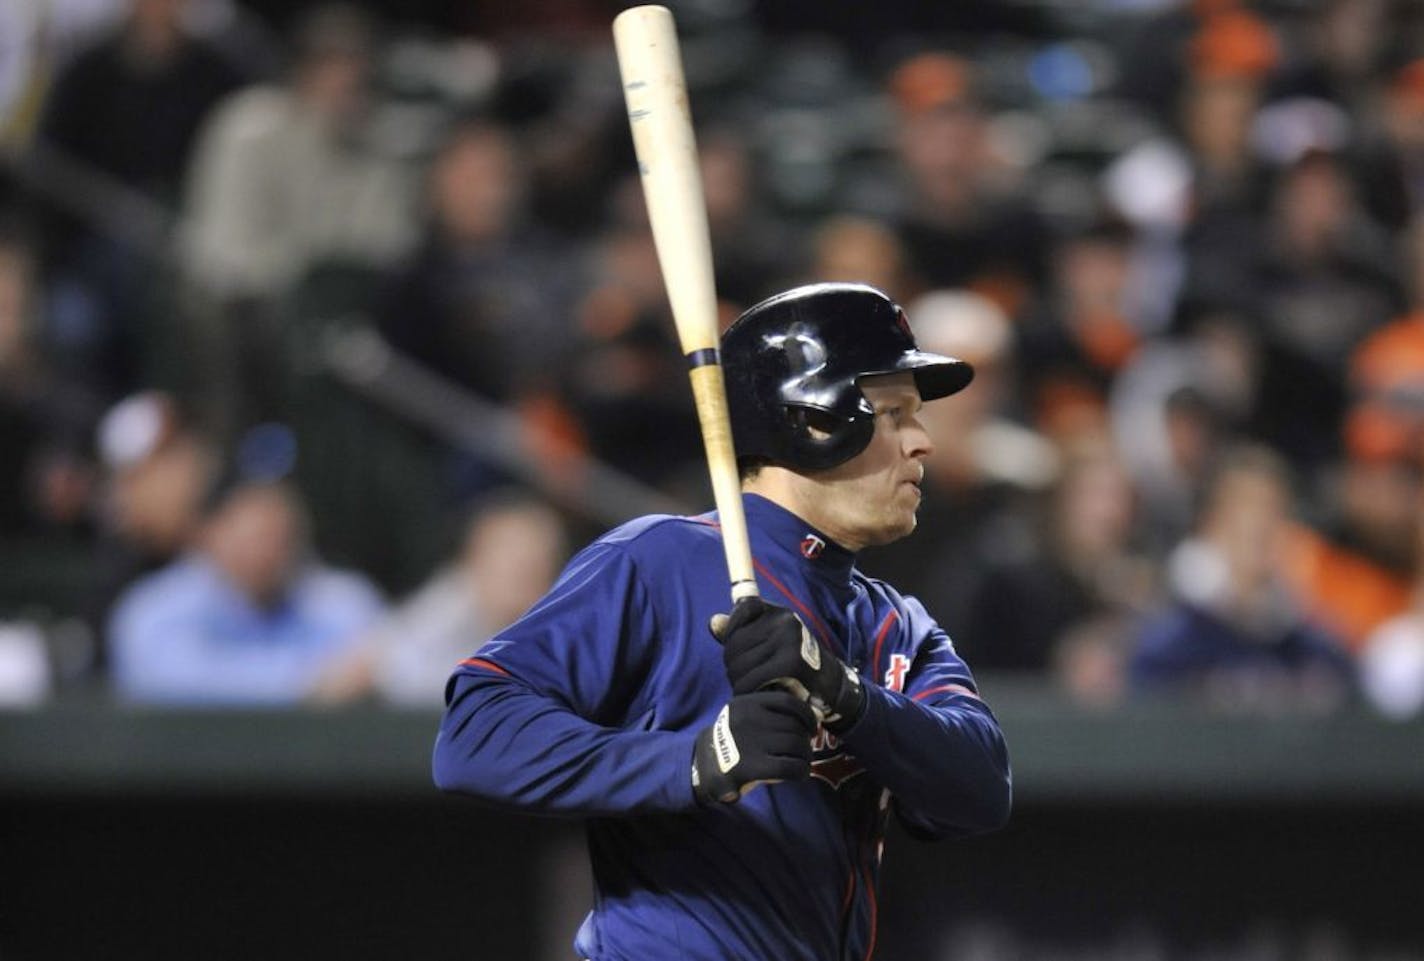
{"x": 661, "y": 122}
{"x": 660, "y": 119}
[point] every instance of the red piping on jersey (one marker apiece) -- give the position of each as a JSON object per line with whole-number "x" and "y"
{"x": 890, "y": 618}
{"x": 874, "y": 912}
{"x": 800, "y": 606}
{"x": 487, "y": 665}
{"x": 795, "y": 601}
{"x": 956, "y": 688}
{"x": 846, "y": 904}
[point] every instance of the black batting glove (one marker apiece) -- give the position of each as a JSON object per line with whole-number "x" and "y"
{"x": 758, "y": 738}
{"x": 764, "y": 645}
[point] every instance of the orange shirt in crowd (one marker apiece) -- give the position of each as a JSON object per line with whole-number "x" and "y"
{"x": 1350, "y": 594}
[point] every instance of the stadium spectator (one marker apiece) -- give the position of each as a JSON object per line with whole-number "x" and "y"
{"x": 1392, "y": 656}
{"x": 961, "y": 223}
{"x": 1077, "y": 570}
{"x": 513, "y": 548}
{"x": 247, "y": 617}
{"x": 126, "y": 112}
{"x": 1186, "y": 39}
{"x": 984, "y": 468}
{"x": 36, "y": 39}
{"x": 484, "y": 299}
{"x": 484, "y": 296}
{"x": 1179, "y": 402}
{"x": 1072, "y": 347}
{"x": 286, "y": 178}
{"x": 752, "y": 251}
{"x": 1234, "y": 633}
{"x": 1090, "y": 662}
{"x": 1386, "y": 372}
{"x": 1390, "y": 152}
{"x": 1325, "y": 278}
{"x": 1354, "y": 565}
{"x": 46, "y": 477}
{"x": 1228, "y": 62}
{"x": 131, "y": 104}
{"x": 1345, "y": 47}
{"x": 1357, "y": 562}
{"x": 1230, "y": 58}
{"x": 47, "y": 487}
{"x": 860, "y": 250}
{"x": 624, "y": 380}
{"x": 157, "y": 469}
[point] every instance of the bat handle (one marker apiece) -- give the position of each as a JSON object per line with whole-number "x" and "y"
{"x": 709, "y": 392}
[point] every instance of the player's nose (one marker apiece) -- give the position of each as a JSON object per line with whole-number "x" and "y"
{"x": 915, "y": 440}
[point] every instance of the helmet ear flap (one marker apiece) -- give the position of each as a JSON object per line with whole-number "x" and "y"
{"x": 819, "y": 439}
{"x": 819, "y": 425}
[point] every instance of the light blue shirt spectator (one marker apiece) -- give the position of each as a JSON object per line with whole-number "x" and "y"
{"x": 249, "y": 617}
{"x": 186, "y": 634}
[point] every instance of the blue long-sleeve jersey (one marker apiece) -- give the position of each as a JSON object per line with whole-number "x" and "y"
{"x": 590, "y": 704}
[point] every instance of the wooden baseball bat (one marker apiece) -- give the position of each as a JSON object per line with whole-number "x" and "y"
{"x": 658, "y": 114}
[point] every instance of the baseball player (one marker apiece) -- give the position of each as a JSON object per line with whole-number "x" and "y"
{"x": 738, "y": 771}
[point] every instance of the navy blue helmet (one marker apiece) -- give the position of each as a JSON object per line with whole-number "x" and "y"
{"x": 793, "y": 365}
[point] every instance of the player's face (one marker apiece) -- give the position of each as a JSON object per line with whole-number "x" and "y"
{"x": 872, "y": 498}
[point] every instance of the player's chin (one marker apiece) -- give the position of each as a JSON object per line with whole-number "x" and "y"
{"x": 908, "y": 523}
{"x": 900, "y": 524}
{"x": 908, "y": 502}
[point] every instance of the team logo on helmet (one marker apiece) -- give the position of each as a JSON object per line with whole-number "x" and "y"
{"x": 812, "y": 546}
{"x": 903, "y": 322}
{"x": 805, "y": 353}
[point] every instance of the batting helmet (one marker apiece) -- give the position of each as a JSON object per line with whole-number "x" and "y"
{"x": 793, "y": 365}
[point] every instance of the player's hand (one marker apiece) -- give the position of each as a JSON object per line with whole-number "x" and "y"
{"x": 757, "y": 738}
{"x": 764, "y": 645}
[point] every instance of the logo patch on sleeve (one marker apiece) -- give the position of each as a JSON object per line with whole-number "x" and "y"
{"x": 895, "y": 673}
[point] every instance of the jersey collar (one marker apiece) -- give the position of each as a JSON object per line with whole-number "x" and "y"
{"x": 776, "y": 529}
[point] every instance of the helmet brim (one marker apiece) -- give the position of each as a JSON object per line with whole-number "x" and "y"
{"x": 936, "y": 375}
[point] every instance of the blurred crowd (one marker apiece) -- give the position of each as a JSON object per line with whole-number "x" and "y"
{"x": 1181, "y": 242}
